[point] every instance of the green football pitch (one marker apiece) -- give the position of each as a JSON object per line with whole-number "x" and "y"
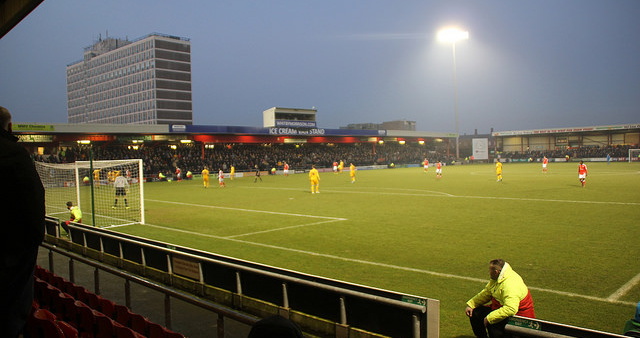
{"x": 405, "y": 230}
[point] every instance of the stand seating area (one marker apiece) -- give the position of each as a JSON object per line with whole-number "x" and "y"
{"x": 62, "y": 309}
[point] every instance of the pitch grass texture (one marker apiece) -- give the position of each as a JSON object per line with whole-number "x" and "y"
{"x": 405, "y": 230}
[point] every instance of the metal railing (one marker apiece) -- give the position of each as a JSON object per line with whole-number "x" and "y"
{"x": 531, "y": 327}
{"x": 319, "y": 305}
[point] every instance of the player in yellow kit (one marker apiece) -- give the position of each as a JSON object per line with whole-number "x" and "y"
{"x": 352, "y": 172}
{"x": 96, "y": 178}
{"x": 314, "y": 178}
{"x": 498, "y": 171}
{"x": 205, "y": 177}
{"x": 75, "y": 216}
{"x": 232, "y": 173}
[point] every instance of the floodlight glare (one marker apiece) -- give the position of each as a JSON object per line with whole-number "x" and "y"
{"x": 452, "y": 35}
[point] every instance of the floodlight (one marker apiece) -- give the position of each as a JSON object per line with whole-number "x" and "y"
{"x": 452, "y": 35}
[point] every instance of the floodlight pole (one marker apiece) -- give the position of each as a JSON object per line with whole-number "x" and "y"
{"x": 455, "y": 100}
{"x": 453, "y": 35}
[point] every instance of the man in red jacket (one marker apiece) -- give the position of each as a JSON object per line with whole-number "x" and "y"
{"x": 504, "y": 296}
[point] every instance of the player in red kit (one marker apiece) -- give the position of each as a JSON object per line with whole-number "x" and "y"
{"x": 439, "y": 169}
{"x": 425, "y": 165}
{"x": 582, "y": 173}
{"x": 545, "y": 161}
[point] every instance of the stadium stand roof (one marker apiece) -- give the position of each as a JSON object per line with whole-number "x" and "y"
{"x": 617, "y": 127}
{"x": 205, "y": 129}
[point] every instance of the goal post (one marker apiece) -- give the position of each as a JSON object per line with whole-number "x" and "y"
{"x": 634, "y": 155}
{"x": 92, "y": 186}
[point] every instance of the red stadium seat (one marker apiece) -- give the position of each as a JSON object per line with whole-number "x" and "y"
{"x": 106, "y": 306}
{"x": 155, "y": 331}
{"x": 123, "y": 315}
{"x": 139, "y": 323}
{"x": 43, "y": 324}
{"x": 48, "y": 297}
{"x": 104, "y": 326}
{"x": 58, "y": 282}
{"x": 78, "y": 292}
{"x": 63, "y": 307}
{"x": 40, "y": 272}
{"x": 68, "y": 330}
{"x": 43, "y": 274}
{"x": 84, "y": 318}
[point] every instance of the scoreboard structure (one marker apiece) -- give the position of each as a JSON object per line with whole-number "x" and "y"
{"x": 289, "y": 117}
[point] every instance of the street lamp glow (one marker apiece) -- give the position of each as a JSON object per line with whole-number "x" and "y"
{"x": 452, "y": 35}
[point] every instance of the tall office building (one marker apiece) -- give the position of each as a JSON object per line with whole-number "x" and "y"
{"x": 145, "y": 81}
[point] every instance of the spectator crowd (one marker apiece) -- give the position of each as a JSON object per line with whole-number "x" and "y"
{"x": 161, "y": 157}
{"x": 244, "y": 157}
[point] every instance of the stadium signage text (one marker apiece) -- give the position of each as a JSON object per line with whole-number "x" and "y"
{"x": 523, "y": 322}
{"x": 186, "y": 267}
{"x": 32, "y": 127}
{"x": 35, "y": 138}
{"x": 293, "y": 131}
{"x": 178, "y": 127}
{"x": 298, "y": 124}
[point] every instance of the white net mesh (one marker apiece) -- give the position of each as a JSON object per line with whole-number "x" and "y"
{"x": 75, "y": 182}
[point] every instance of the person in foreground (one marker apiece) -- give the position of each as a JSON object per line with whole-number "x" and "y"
{"x": 632, "y": 326}
{"x": 505, "y": 295}
{"x": 23, "y": 212}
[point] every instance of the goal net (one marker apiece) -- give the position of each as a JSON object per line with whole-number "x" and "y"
{"x": 92, "y": 186}
{"x": 634, "y": 155}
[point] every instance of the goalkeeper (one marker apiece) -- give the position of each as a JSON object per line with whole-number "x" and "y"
{"x": 122, "y": 185}
{"x": 75, "y": 214}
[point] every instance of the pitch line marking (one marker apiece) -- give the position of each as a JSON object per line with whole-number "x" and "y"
{"x": 391, "y": 266}
{"x": 428, "y": 192}
{"x": 547, "y": 200}
{"x": 283, "y": 228}
{"x": 433, "y": 194}
{"x": 248, "y": 210}
{"x": 625, "y": 288}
